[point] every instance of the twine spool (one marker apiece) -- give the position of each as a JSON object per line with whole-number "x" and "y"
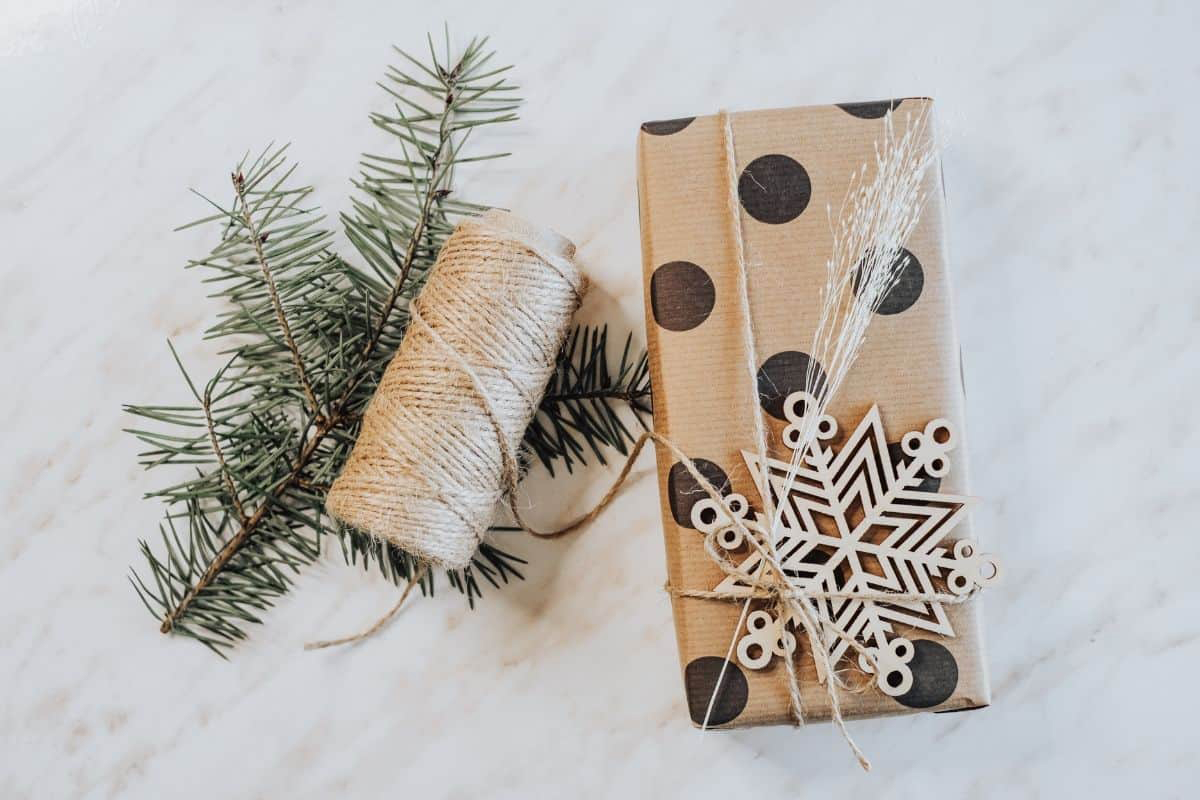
{"x": 436, "y": 449}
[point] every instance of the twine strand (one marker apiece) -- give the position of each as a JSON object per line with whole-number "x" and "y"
{"x": 770, "y": 556}
{"x": 416, "y": 579}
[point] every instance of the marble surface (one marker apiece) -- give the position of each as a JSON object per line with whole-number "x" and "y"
{"x": 1072, "y": 186}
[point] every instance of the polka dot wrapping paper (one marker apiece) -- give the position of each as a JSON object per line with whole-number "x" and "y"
{"x": 790, "y": 165}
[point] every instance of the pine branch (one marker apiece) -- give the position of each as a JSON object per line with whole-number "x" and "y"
{"x": 496, "y": 566}
{"x": 313, "y": 334}
{"x": 582, "y": 407}
{"x": 309, "y": 335}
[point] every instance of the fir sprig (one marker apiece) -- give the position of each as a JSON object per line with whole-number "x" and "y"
{"x": 583, "y": 403}
{"x": 308, "y": 335}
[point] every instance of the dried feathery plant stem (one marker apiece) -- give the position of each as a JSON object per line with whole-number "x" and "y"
{"x": 877, "y": 216}
{"x": 879, "y": 213}
{"x": 875, "y": 221}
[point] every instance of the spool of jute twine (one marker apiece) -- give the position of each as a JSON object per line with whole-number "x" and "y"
{"x": 437, "y": 448}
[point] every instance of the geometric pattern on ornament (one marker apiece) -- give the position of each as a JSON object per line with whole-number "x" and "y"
{"x": 852, "y": 521}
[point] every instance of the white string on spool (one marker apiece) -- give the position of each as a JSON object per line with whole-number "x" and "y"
{"x": 436, "y": 451}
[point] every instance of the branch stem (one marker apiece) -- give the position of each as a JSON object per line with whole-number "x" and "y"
{"x": 216, "y": 448}
{"x": 246, "y": 530}
{"x": 257, "y": 239}
{"x": 436, "y": 175}
{"x": 625, "y": 395}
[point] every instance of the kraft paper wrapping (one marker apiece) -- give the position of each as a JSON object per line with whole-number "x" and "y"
{"x": 791, "y": 163}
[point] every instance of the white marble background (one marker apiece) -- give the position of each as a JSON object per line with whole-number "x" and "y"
{"x": 1072, "y": 184}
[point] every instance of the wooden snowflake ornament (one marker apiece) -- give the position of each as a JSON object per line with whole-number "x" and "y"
{"x": 853, "y": 523}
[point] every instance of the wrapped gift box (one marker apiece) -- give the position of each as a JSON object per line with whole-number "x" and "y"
{"x": 791, "y": 164}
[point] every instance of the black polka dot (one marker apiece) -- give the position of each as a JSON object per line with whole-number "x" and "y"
{"x": 665, "y": 127}
{"x": 774, "y": 189}
{"x": 785, "y": 373}
{"x": 684, "y": 490}
{"x": 928, "y": 482}
{"x": 907, "y": 288}
{"x": 681, "y": 295}
{"x": 873, "y": 110}
{"x": 935, "y": 675}
{"x": 700, "y": 680}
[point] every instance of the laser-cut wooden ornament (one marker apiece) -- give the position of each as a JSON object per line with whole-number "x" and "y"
{"x": 852, "y": 521}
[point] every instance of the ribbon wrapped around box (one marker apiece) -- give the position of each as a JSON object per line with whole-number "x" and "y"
{"x": 881, "y": 507}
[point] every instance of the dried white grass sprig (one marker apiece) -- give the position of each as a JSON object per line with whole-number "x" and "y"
{"x": 879, "y": 213}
